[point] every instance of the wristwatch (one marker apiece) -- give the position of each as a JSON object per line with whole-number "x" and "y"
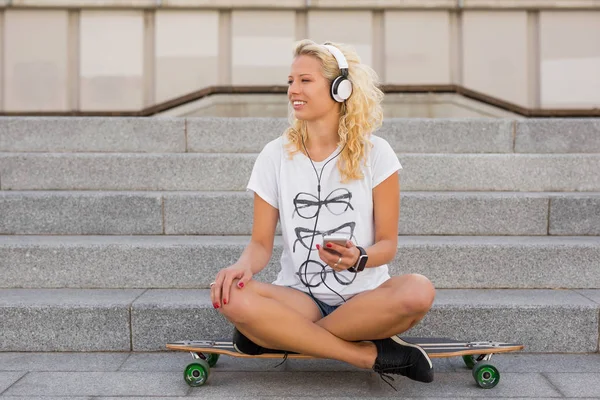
{"x": 361, "y": 262}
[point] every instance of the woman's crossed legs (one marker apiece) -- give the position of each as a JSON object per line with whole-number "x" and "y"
{"x": 283, "y": 318}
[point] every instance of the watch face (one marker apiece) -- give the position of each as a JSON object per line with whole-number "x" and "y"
{"x": 362, "y": 261}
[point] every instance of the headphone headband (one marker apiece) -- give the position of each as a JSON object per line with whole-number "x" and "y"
{"x": 339, "y": 56}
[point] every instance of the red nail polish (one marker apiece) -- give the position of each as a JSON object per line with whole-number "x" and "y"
{"x": 329, "y": 245}
{"x": 318, "y": 247}
{"x": 241, "y": 284}
{"x": 224, "y": 301}
{"x": 215, "y": 305}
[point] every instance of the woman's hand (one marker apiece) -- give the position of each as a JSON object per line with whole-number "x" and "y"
{"x": 220, "y": 289}
{"x": 338, "y": 257}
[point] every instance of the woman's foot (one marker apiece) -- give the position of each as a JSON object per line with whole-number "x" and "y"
{"x": 395, "y": 356}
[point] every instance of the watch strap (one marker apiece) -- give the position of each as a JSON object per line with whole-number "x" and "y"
{"x": 361, "y": 262}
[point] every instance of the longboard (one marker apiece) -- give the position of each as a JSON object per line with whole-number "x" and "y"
{"x": 476, "y": 356}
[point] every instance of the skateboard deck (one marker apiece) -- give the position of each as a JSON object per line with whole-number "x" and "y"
{"x": 476, "y": 356}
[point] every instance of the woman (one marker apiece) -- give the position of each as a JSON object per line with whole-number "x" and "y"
{"x": 328, "y": 175}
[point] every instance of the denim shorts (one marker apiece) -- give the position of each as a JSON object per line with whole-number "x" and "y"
{"x": 325, "y": 308}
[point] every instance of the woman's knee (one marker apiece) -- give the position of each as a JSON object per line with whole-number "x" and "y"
{"x": 239, "y": 303}
{"x": 415, "y": 294}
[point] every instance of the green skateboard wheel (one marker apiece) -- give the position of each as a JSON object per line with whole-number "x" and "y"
{"x": 211, "y": 359}
{"x": 469, "y": 361}
{"x": 197, "y": 373}
{"x": 486, "y": 375}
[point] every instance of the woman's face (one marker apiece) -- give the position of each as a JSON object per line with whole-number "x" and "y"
{"x": 308, "y": 90}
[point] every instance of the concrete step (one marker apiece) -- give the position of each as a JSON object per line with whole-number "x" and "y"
{"x": 249, "y": 135}
{"x": 124, "y": 320}
{"x": 230, "y": 172}
{"x": 230, "y": 213}
{"x": 129, "y": 262}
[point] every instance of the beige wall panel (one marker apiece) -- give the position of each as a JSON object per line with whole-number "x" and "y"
{"x": 36, "y": 60}
{"x": 178, "y": 76}
{"x": 84, "y": 3}
{"x": 235, "y": 3}
{"x": 570, "y": 59}
{"x": 417, "y": 47}
{"x": 495, "y": 54}
{"x": 111, "y": 51}
{"x": 187, "y": 49}
{"x": 384, "y": 3}
{"x": 349, "y": 27}
{"x": 529, "y": 4}
{"x": 262, "y": 45}
{"x": 254, "y": 75}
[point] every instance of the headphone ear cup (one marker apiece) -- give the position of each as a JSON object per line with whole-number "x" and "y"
{"x": 341, "y": 89}
{"x": 344, "y": 89}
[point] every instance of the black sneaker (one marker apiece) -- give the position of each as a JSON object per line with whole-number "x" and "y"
{"x": 395, "y": 356}
{"x": 247, "y": 346}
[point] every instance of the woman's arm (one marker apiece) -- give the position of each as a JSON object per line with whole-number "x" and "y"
{"x": 258, "y": 252}
{"x": 386, "y": 210}
{"x": 255, "y": 256}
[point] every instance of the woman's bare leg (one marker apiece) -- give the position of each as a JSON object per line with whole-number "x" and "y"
{"x": 282, "y": 318}
{"x": 394, "y": 307}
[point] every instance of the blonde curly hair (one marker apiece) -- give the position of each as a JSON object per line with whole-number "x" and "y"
{"x": 360, "y": 115}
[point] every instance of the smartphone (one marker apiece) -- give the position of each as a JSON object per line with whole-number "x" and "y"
{"x": 337, "y": 239}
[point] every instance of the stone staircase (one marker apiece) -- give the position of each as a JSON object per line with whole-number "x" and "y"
{"x": 112, "y": 228}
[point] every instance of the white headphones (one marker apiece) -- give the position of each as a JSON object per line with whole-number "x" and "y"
{"x": 341, "y": 87}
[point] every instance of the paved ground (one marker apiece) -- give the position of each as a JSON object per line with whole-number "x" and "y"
{"x": 73, "y": 376}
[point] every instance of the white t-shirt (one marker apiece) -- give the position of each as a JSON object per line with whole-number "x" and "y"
{"x": 290, "y": 185}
